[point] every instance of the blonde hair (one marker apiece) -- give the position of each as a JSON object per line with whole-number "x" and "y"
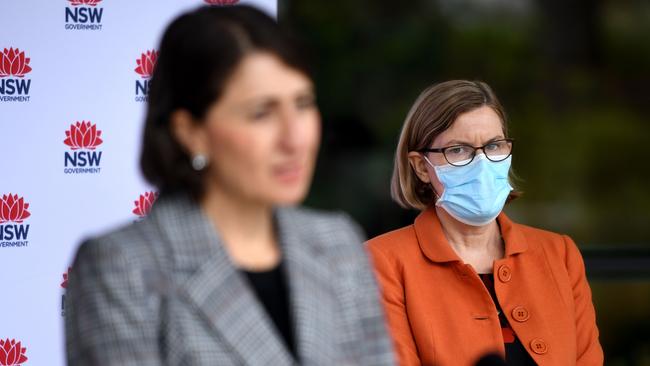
{"x": 434, "y": 111}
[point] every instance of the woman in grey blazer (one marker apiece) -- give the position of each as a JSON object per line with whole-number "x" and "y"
{"x": 226, "y": 270}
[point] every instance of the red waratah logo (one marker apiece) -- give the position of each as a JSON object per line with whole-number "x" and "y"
{"x": 83, "y": 135}
{"x": 146, "y": 63}
{"x": 144, "y": 203}
{"x": 221, "y": 2}
{"x": 13, "y": 62}
{"x": 13, "y": 209}
{"x": 84, "y": 2}
{"x": 64, "y": 284}
{"x": 12, "y": 353}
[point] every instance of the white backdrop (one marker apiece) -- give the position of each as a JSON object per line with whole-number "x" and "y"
{"x": 71, "y": 113}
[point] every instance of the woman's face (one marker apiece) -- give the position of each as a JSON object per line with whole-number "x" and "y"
{"x": 476, "y": 128}
{"x": 262, "y": 136}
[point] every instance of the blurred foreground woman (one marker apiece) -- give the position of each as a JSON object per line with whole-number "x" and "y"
{"x": 464, "y": 280}
{"x": 225, "y": 270}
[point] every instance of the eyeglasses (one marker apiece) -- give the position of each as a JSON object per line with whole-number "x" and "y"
{"x": 460, "y": 155}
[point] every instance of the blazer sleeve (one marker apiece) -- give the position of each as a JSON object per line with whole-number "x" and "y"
{"x": 392, "y": 289}
{"x": 376, "y": 347}
{"x": 108, "y": 320}
{"x": 589, "y": 350}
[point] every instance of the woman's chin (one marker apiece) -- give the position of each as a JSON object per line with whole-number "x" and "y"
{"x": 289, "y": 196}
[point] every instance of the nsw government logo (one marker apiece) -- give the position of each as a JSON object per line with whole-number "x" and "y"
{"x": 145, "y": 65}
{"x": 13, "y": 212}
{"x": 64, "y": 286}
{"x": 82, "y": 138}
{"x": 144, "y": 203}
{"x": 12, "y": 353}
{"x": 14, "y": 65}
{"x": 83, "y": 15}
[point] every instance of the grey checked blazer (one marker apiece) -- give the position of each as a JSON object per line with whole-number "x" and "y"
{"x": 164, "y": 292}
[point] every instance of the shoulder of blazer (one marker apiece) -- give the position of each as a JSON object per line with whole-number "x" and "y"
{"x": 132, "y": 243}
{"x": 553, "y": 244}
{"x": 320, "y": 220}
{"x": 330, "y": 231}
{"x": 394, "y": 241}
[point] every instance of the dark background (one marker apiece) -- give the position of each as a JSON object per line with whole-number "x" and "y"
{"x": 574, "y": 78}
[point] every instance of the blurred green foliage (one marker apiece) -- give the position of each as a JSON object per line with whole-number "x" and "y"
{"x": 573, "y": 75}
{"x": 578, "y": 104}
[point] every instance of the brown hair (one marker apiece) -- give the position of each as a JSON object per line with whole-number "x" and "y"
{"x": 434, "y": 111}
{"x": 199, "y": 52}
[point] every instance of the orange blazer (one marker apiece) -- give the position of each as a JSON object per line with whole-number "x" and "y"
{"x": 440, "y": 313}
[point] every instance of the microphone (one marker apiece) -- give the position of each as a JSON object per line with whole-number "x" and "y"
{"x": 491, "y": 359}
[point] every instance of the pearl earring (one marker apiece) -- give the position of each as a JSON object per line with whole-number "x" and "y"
{"x": 199, "y": 162}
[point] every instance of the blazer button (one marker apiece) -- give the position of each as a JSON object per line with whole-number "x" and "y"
{"x": 538, "y": 346}
{"x": 505, "y": 274}
{"x": 520, "y": 314}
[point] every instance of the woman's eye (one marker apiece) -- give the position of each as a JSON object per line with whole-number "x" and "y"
{"x": 492, "y": 147}
{"x": 261, "y": 114}
{"x": 458, "y": 150}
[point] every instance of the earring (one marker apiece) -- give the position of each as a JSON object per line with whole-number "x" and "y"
{"x": 199, "y": 162}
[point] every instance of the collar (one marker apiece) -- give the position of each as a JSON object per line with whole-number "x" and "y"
{"x": 434, "y": 245}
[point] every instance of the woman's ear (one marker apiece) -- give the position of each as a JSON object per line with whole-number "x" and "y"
{"x": 190, "y": 135}
{"x": 419, "y": 165}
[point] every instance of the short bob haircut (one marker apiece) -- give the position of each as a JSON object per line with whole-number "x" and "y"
{"x": 434, "y": 111}
{"x": 199, "y": 52}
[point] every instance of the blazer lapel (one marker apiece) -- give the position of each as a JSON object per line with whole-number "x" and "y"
{"x": 215, "y": 288}
{"x": 312, "y": 298}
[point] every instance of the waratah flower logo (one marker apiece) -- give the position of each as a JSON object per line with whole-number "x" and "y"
{"x": 146, "y": 63}
{"x": 221, "y": 2}
{"x": 83, "y": 135}
{"x": 64, "y": 284}
{"x": 12, "y": 353}
{"x": 84, "y": 2}
{"x": 143, "y": 205}
{"x": 13, "y": 208}
{"x": 13, "y": 62}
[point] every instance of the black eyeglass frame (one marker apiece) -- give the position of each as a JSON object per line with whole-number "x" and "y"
{"x": 476, "y": 148}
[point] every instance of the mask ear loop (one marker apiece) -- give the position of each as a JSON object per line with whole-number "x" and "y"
{"x": 432, "y": 188}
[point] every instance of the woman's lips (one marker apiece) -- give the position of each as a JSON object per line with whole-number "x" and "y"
{"x": 288, "y": 173}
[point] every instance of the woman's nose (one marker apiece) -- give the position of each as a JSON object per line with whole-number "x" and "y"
{"x": 291, "y": 131}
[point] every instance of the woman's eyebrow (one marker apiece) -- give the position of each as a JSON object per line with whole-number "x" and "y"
{"x": 460, "y": 142}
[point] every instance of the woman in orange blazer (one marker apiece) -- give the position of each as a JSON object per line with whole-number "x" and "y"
{"x": 464, "y": 280}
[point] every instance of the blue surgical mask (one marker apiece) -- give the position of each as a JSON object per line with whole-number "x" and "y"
{"x": 474, "y": 193}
